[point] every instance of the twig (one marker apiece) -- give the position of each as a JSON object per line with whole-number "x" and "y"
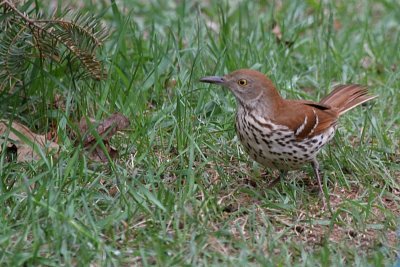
{"x": 12, "y": 6}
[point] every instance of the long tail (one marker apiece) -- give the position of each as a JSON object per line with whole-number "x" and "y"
{"x": 346, "y": 97}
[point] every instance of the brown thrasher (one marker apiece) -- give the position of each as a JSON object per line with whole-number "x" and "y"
{"x": 285, "y": 134}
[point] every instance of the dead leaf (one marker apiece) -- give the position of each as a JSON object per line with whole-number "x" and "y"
{"x": 170, "y": 83}
{"x": 276, "y": 30}
{"x": 16, "y": 137}
{"x": 111, "y": 189}
{"x": 59, "y": 102}
{"x": 98, "y": 154}
{"x": 105, "y": 129}
{"x": 337, "y": 25}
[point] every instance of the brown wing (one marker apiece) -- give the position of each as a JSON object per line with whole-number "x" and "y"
{"x": 306, "y": 118}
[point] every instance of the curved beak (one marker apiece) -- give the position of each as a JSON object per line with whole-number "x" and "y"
{"x": 213, "y": 79}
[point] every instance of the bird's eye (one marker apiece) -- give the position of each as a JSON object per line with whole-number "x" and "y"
{"x": 242, "y": 82}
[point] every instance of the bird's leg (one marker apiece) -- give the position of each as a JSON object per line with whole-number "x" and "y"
{"x": 282, "y": 174}
{"x": 315, "y": 166}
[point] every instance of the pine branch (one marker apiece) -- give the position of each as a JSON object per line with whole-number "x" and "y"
{"x": 13, "y": 53}
{"x": 80, "y": 36}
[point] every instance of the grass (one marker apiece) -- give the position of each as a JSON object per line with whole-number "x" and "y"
{"x": 187, "y": 194}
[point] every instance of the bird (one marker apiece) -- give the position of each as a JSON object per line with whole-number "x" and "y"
{"x": 286, "y": 134}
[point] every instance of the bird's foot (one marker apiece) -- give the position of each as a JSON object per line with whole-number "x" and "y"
{"x": 315, "y": 166}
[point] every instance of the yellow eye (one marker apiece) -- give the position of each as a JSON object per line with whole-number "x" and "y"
{"x": 242, "y": 82}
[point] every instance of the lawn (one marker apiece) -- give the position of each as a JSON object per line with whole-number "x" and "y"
{"x": 182, "y": 192}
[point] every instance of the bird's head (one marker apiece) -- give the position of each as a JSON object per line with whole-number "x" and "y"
{"x": 250, "y": 87}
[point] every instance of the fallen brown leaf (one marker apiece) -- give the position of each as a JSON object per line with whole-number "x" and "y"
{"x": 16, "y": 137}
{"x": 111, "y": 189}
{"x": 105, "y": 129}
{"x": 337, "y": 25}
{"x": 276, "y": 30}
